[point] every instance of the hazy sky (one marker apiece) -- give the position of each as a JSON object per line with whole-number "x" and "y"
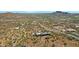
{"x": 39, "y": 5}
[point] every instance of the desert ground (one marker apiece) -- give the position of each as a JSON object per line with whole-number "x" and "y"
{"x": 58, "y": 29}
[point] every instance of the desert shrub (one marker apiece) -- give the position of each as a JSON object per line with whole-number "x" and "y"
{"x": 53, "y": 45}
{"x": 65, "y": 44}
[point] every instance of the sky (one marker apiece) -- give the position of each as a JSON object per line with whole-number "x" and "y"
{"x": 39, "y": 5}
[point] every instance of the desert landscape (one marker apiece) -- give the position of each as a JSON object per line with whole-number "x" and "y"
{"x": 56, "y": 29}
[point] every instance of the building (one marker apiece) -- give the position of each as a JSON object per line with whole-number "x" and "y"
{"x": 40, "y": 33}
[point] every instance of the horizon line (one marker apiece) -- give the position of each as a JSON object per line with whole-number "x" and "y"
{"x": 36, "y": 11}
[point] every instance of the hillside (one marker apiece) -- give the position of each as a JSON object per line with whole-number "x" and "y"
{"x": 39, "y": 30}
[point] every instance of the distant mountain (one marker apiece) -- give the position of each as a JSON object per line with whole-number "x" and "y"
{"x": 60, "y": 12}
{"x": 26, "y": 11}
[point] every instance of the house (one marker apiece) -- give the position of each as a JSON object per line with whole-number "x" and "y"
{"x": 40, "y": 33}
{"x": 77, "y": 25}
{"x": 16, "y": 28}
{"x": 70, "y": 30}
